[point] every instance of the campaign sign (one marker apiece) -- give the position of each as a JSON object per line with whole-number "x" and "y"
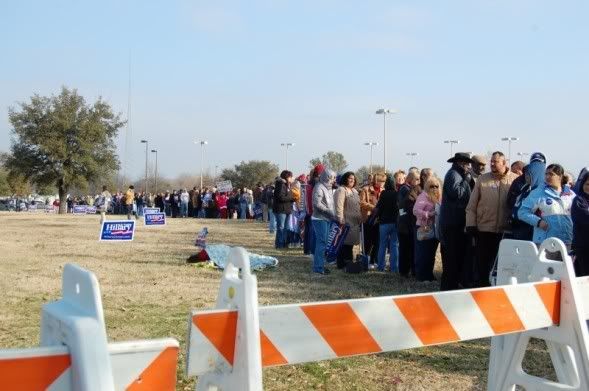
{"x": 79, "y": 210}
{"x": 224, "y": 187}
{"x": 90, "y": 210}
{"x": 155, "y": 219}
{"x": 117, "y": 230}
{"x": 147, "y": 211}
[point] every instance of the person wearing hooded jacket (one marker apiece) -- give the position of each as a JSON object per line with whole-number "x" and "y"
{"x": 457, "y": 187}
{"x": 323, "y": 215}
{"x": 548, "y": 208}
{"x": 580, "y": 217}
{"x": 533, "y": 176}
{"x": 282, "y": 207}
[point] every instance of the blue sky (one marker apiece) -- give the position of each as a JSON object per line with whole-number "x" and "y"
{"x": 249, "y": 75}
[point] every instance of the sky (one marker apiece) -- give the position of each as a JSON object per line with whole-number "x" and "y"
{"x": 249, "y": 75}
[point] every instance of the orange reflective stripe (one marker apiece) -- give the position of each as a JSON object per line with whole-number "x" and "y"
{"x": 33, "y": 373}
{"x": 160, "y": 374}
{"x": 341, "y": 328}
{"x": 220, "y": 329}
{"x": 550, "y": 294}
{"x": 497, "y": 309}
{"x": 427, "y": 319}
{"x": 270, "y": 354}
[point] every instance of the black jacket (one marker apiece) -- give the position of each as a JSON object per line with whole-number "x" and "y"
{"x": 455, "y": 195}
{"x": 387, "y": 209}
{"x": 283, "y": 198}
{"x": 406, "y": 201}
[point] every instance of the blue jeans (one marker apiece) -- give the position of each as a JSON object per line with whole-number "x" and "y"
{"x": 388, "y": 238}
{"x": 280, "y": 241}
{"x": 321, "y": 230}
{"x": 272, "y": 223}
{"x": 243, "y": 209}
{"x": 184, "y": 209}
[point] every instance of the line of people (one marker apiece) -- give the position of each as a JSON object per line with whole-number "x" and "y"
{"x": 410, "y": 215}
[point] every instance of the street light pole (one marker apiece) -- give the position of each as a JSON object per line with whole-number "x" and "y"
{"x": 155, "y": 151}
{"x": 451, "y": 142}
{"x": 202, "y": 157}
{"x": 371, "y": 144}
{"x": 146, "y": 149}
{"x": 412, "y": 156}
{"x": 509, "y": 140}
{"x": 286, "y": 145}
{"x": 384, "y": 113}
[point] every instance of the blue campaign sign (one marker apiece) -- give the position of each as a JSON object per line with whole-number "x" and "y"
{"x": 147, "y": 211}
{"x": 91, "y": 210}
{"x": 79, "y": 210}
{"x": 155, "y": 219}
{"x": 117, "y": 230}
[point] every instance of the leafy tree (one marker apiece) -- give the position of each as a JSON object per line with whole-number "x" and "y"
{"x": 248, "y": 174}
{"x": 18, "y": 184}
{"x": 4, "y": 185}
{"x": 61, "y": 140}
{"x": 362, "y": 172}
{"x": 332, "y": 160}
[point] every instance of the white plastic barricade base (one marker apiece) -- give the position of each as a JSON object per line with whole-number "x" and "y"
{"x": 521, "y": 262}
{"x": 236, "y": 293}
{"x": 77, "y": 321}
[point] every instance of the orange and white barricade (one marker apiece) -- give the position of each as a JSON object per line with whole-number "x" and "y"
{"x": 75, "y": 354}
{"x": 229, "y": 346}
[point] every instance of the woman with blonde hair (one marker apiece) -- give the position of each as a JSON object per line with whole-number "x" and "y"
{"x": 406, "y": 198}
{"x": 426, "y": 245}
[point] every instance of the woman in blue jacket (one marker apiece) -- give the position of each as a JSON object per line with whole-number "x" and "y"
{"x": 580, "y": 216}
{"x": 548, "y": 208}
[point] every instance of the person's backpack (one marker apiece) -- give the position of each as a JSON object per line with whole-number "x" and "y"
{"x": 526, "y": 190}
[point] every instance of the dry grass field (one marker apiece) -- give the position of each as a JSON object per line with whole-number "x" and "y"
{"x": 148, "y": 291}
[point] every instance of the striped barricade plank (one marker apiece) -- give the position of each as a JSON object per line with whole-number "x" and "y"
{"x": 298, "y": 333}
{"x": 137, "y": 366}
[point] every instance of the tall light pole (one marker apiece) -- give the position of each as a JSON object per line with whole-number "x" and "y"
{"x": 451, "y": 142}
{"x": 202, "y": 157}
{"x": 146, "y": 149}
{"x": 286, "y": 145}
{"x": 155, "y": 151}
{"x": 509, "y": 140}
{"x": 216, "y": 168}
{"x": 384, "y": 113}
{"x": 371, "y": 144}
{"x": 412, "y": 156}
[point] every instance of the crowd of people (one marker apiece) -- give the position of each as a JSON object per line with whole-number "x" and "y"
{"x": 410, "y": 215}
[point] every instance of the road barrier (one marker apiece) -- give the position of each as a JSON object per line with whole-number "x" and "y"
{"x": 75, "y": 355}
{"x": 229, "y": 346}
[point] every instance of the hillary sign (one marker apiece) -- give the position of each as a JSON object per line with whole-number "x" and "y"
{"x": 155, "y": 219}
{"x": 113, "y": 230}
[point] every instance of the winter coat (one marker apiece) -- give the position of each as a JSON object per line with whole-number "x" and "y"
{"x": 424, "y": 211}
{"x": 387, "y": 208}
{"x": 347, "y": 210}
{"x": 455, "y": 196}
{"x": 544, "y": 203}
{"x": 406, "y": 200}
{"x": 323, "y": 205}
{"x": 368, "y": 199}
{"x": 487, "y": 208}
{"x": 580, "y": 216}
{"x": 283, "y": 198}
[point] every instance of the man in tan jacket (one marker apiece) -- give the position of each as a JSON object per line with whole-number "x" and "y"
{"x": 487, "y": 214}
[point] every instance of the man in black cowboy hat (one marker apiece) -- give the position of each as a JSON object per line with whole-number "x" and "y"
{"x": 458, "y": 184}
